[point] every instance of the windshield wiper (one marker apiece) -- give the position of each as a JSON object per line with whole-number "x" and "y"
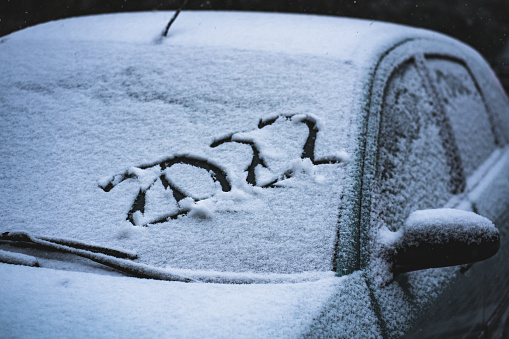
{"x": 23, "y": 237}
{"x": 121, "y": 261}
{"x": 109, "y": 257}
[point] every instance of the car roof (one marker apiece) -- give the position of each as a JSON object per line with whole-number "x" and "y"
{"x": 344, "y": 38}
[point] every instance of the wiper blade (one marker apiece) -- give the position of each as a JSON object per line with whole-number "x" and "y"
{"x": 105, "y": 256}
{"x": 24, "y": 237}
{"x": 116, "y": 259}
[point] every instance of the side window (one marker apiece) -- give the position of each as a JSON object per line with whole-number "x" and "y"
{"x": 434, "y": 131}
{"x": 416, "y": 165}
{"x": 466, "y": 111}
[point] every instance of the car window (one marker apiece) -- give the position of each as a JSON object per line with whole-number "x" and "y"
{"x": 414, "y": 168}
{"x": 197, "y": 158}
{"x": 434, "y": 133}
{"x": 466, "y": 111}
{"x": 418, "y": 167}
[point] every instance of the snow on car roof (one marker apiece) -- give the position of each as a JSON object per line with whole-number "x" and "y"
{"x": 344, "y": 38}
{"x": 224, "y": 147}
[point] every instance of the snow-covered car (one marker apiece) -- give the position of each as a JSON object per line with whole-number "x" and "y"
{"x": 253, "y": 175}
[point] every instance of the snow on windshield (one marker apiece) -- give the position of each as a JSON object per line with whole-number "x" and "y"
{"x": 194, "y": 158}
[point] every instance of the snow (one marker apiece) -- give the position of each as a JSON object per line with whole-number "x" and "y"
{"x": 491, "y": 195}
{"x": 91, "y": 115}
{"x": 84, "y": 136}
{"x": 269, "y": 32}
{"x": 48, "y": 303}
{"x": 437, "y": 226}
{"x": 201, "y": 209}
{"x": 14, "y": 258}
{"x": 51, "y": 303}
{"x": 449, "y": 223}
{"x": 95, "y": 109}
{"x": 474, "y": 136}
{"x": 414, "y": 169}
{"x": 193, "y": 181}
{"x": 388, "y": 238}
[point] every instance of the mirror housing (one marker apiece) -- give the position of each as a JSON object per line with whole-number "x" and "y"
{"x": 443, "y": 237}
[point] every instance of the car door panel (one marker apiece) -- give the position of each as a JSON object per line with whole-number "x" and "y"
{"x": 415, "y": 169}
{"x": 471, "y": 300}
{"x": 424, "y": 160}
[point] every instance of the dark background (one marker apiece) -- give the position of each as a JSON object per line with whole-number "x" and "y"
{"x": 483, "y": 24}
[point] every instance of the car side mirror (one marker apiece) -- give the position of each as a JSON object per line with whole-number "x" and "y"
{"x": 443, "y": 237}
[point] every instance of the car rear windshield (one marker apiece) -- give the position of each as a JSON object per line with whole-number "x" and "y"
{"x": 194, "y": 158}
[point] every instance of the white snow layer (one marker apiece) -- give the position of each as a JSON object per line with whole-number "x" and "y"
{"x": 449, "y": 223}
{"x": 51, "y": 303}
{"x": 86, "y": 108}
{"x": 439, "y": 224}
{"x": 94, "y": 108}
{"x": 93, "y": 100}
{"x": 9, "y": 257}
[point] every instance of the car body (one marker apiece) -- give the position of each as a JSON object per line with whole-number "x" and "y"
{"x": 259, "y": 169}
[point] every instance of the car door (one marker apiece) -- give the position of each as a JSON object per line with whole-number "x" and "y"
{"x": 476, "y": 301}
{"x": 425, "y": 154}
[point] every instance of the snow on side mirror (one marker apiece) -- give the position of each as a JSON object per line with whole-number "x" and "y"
{"x": 443, "y": 237}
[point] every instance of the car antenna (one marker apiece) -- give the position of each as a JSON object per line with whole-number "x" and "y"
{"x": 165, "y": 33}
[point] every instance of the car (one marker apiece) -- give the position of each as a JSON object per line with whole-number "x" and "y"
{"x": 250, "y": 175}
